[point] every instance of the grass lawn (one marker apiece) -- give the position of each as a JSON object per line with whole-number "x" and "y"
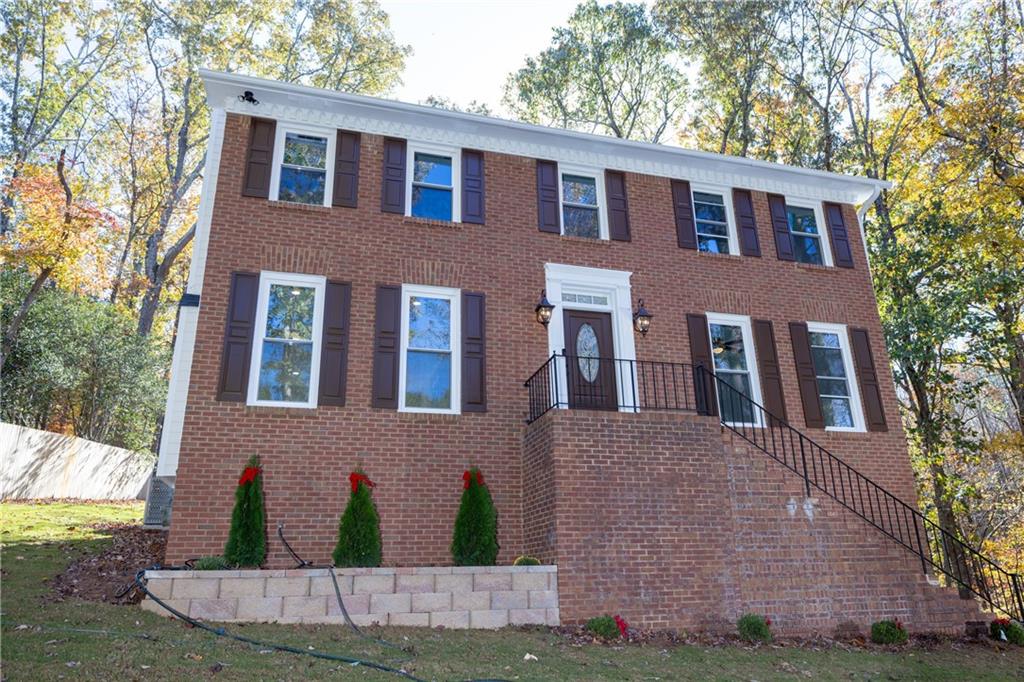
{"x": 47, "y": 640}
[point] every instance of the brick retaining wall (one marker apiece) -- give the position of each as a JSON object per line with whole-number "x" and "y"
{"x": 453, "y": 597}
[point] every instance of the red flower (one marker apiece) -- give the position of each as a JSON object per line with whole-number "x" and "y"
{"x": 249, "y": 475}
{"x": 356, "y": 477}
{"x": 466, "y": 476}
{"x": 621, "y": 623}
{"x": 767, "y": 621}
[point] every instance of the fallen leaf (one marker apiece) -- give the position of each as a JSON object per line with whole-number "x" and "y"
{"x": 529, "y": 657}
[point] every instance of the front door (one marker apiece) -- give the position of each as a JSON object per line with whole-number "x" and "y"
{"x": 590, "y": 360}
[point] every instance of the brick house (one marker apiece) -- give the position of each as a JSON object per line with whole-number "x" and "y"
{"x": 364, "y": 291}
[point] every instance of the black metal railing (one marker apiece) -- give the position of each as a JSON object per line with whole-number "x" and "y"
{"x": 938, "y": 549}
{"x": 570, "y": 381}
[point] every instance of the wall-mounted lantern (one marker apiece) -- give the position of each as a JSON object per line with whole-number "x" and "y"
{"x": 642, "y": 318}
{"x": 544, "y": 309}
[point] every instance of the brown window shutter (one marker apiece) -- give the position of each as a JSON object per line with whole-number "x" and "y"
{"x": 386, "y": 347}
{"x": 334, "y": 351}
{"x": 472, "y": 187}
{"x": 838, "y": 236}
{"x": 700, "y": 356}
{"x": 346, "y": 169}
{"x": 259, "y": 158}
{"x": 233, "y": 384}
{"x": 768, "y": 368}
{"x": 682, "y": 205}
{"x": 392, "y": 198}
{"x": 867, "y": 380}
{"x": 746, "y": 223}
{"x": 618, "y": 205}
{"x": 780, "y": 226}
{"x": 547, "y": 197}
{"x": 806, "y": 376}
{"x": 474, "y": 364}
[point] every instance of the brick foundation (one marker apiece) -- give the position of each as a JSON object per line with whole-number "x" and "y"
{"x": 452, "y": 597}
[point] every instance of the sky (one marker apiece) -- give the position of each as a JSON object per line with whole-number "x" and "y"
{"x": 464, "y": 49}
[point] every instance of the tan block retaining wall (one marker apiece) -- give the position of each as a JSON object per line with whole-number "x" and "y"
{"x": 453, "y": 597}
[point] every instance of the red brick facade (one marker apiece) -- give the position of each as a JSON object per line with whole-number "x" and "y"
{"x": 718, "y": 518}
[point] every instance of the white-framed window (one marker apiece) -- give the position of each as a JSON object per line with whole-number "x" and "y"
{"x": 285, "y": 366}
{"x": 433, "y": 182}
{"x": 581, "y": 197}
{"x": 837, "y": 384}
{"x": 807, "y": 231}
{"x": 303, "y": 165}
{"x": 430, "y": 369}
{"x": 732, "y": 352}
{"x": 713, "y": 219}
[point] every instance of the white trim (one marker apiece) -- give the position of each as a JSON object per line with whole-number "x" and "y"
{"x": 611, "y": 283}
{"x": 856, "y": 408}
{"x": 319, "y": 285}
{"x": 602, "y": 207}
{"x": 454, "y": 153}
{"x": 730, "y": 214}
{"x": 332, "y": 109}
{"x": 749, "y": 353}
{"x": 455, "y": 336}
{"x": 285, "y": 127}
{"x": 185, "y": 340}
{"x": 819, "y": 219}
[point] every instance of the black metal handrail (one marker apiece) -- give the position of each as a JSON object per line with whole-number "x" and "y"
{"x": 610, "y": 383}
{"x": 936, "y": 547}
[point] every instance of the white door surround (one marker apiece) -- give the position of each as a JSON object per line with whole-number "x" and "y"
{"x": 612, "y": 290}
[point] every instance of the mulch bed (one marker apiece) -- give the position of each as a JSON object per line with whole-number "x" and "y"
{"x": 103, "y": 576}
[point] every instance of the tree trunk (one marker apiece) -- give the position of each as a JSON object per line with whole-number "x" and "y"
{"x": 14, "y": 326}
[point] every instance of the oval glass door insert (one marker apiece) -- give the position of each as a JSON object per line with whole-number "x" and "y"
{"x": 587, "y": 352}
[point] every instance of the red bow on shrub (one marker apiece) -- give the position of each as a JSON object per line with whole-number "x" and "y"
{"x": 621, "y": 623}
{"x": 468, "y": 475}
{"x": 249, "y": 475}
{"x": 355, "y": 478}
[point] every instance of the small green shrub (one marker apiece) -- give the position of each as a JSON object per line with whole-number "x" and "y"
{"x": 888, "y": 632}
{"x": 247, "y": 538}
{"x": 754, "y": 628}
{"x": 526, "y": 561}
{"x": 475, "y": 537}
{"x": 1005, "y": 629}
{"x": 211, "y": 563}
{"x": 359, "y": 542}
{"x": 604, "y": 627}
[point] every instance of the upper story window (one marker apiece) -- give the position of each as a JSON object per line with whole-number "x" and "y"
{"x": 434, "y": 179}
{"x": 713, "y": 220}
{"x": 833, "y": 367}
{"x": 302, "y": 157}
{"x": 582, "y": 197}
{"x": 286, "y": 354}
{"x": 430, "y": 365}
{"x": 732, "y": 351}
{"x": 810, "y": 243}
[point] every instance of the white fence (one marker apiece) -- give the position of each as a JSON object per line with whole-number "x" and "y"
{"x": 39, "y": 464}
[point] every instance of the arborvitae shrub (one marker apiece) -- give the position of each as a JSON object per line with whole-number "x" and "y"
{"x": 888, "y": 632}
{"x": 359, "y": 530}
{"x": 604, "y": 627}
{"x": 247, "y": 539}
{"x": 475, "y": 539}
{"x": 754, "y": 628}
{"x": 526, "y": 561}
{"x": 211, "y": 563}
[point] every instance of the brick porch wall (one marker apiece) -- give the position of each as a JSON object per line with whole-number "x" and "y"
{"x": 666, "y": 520}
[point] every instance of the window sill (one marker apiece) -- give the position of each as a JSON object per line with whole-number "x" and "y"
{"x": 292, "y": 206}
{"x": 584, "y": 240}
{"x": 432, "y": 222}
{"x": 429, "y": 417}
{"x": 712, "y": 254}
{"x": 815, "y": 266}
{"x": 280, "y": 411}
